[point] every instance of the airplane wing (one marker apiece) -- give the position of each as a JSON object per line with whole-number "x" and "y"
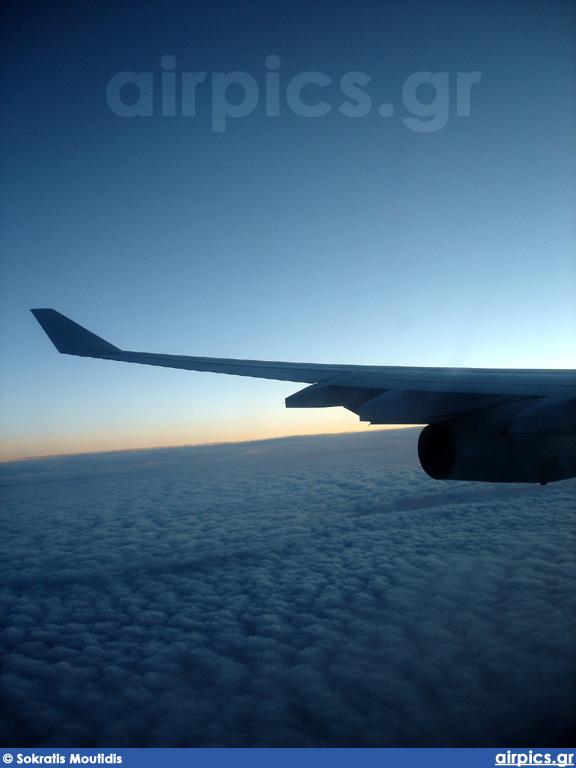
{"x": 522, "y": 405}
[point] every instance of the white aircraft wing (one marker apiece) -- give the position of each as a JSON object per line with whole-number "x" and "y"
{"x": 505, "y": 415}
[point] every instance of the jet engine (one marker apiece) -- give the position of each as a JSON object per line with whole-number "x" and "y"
{"x": 462, "y": 449}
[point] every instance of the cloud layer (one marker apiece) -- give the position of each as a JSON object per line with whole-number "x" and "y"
{"x": 299, "y": 592}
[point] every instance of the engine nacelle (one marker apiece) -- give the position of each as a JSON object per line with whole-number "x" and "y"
{"x": 464, "y": 449}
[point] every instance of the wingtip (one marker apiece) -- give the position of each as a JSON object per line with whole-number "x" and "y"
{"x": 69, "y": 337}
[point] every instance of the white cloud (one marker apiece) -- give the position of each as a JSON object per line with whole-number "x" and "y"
{"x": 299, "y": 592}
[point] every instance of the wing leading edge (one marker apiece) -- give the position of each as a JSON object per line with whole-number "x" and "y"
{"x": 540, "y": 403}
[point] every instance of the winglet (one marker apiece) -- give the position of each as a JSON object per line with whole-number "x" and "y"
{"x": 69, "y": 337}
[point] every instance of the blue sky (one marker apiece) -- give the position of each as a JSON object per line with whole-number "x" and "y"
{"x": 321, "y": 239}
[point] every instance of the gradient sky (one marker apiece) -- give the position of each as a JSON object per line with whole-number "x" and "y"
{"x": 322, "y": 239}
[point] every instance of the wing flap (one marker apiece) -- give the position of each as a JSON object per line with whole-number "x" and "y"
{"x": 416, "y": 407}
{"x": 323, "y": 395}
